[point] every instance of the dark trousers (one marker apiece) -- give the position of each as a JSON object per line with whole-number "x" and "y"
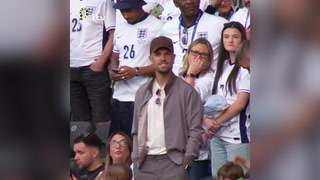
{"x": 90, "y": 95}
{"x": 160, "y": 167}
{"x": 121, "y": 117}
{"x": 201, "y": 170}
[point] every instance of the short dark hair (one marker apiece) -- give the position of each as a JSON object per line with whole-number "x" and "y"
{"x": 89, "y": 139}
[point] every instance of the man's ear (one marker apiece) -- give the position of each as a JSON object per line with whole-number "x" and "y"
{"x": 151, "y": 60}
{"x": 95, "y": 152}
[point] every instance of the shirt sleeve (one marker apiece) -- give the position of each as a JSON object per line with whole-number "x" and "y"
{"x": 109, "y": 14}
{"x": 115, "y": 48}
{"x": 244, "y": 81}
{"x": 194, "y": 118}
{"x": 204, "y": 85}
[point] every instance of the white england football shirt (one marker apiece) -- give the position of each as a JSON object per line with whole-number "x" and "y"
{"x": 132, "y": 43}
{"x": 209, "y": 27}
{"x": 239, "y": 130}
{"x": 87, "y": 19}
{"x": 242, "y": 16}
{"x": 170, "y": 10}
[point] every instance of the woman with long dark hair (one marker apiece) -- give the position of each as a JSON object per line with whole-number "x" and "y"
{"x": 230, "y": 131}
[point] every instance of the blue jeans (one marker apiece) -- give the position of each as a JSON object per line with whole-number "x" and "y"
{"x": 121, "y": 117}
{"x": 222, "y": 152}
{"x": 200, "y": 170}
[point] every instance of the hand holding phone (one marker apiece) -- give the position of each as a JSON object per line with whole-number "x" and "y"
{"x": 115, "y": 70}
{"x": 157, "y": 11}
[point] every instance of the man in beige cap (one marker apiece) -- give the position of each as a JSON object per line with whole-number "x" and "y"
{"x": 167, "y": 120}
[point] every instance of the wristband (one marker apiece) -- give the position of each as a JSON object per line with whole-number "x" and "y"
{"x": 190, "y": 75}
{"x": 138, "y": 73}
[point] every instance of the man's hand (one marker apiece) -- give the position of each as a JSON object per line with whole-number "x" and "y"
{"x": 239, "y": 160}
{"x": 124, "y": 74}
{"x": 97, "y": 66}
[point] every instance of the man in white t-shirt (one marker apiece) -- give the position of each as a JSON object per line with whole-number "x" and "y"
{"x": 130, "y": 64}
{"x": 192, "y": 24}
{"x": 171, "y": 10}
{"x": 90, "y": 22}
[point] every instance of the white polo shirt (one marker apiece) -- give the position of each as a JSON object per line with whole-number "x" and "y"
{"x": 156, "y": 134}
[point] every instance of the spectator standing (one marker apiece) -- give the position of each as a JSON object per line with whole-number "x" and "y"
{"x": 167, "y": 120}
{"x": 243, "y": 16}
{"x": 198, "y": 73}
{"x": 233, "y": 83}
{"x": 90, "y": 91}
{"x": 130, "y": 63}
{"x": 190, "y": 25}
{"x": 226, "y": 10}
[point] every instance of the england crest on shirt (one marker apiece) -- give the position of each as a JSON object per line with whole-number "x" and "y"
{"x": 203, "y": 35}
{"x": 91, "y": 9}
{"x": 141, "y": 35}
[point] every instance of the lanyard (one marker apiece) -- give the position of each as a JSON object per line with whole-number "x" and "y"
{"x": 194, "y": 28}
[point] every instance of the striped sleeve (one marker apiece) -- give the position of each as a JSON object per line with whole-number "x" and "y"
{"x": 109, "y": 15}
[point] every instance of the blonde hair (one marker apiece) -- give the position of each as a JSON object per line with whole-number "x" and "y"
{"x": 207, "y": 65}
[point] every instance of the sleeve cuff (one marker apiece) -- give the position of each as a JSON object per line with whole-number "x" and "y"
{"x": 187, "y": 160}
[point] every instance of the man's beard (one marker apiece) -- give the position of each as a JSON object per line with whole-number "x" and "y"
{"x": 164, "y": 72}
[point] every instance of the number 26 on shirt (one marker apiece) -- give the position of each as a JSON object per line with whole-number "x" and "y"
{"x": 129, "y": 52}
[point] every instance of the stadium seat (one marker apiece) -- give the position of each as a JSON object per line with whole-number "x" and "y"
{"x": 77, "y": 128}
{"x": 103, "y": 133}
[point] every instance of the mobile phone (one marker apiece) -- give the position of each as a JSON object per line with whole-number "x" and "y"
{"x": 156, "y": 11}
{"x": 115, "y": 70}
